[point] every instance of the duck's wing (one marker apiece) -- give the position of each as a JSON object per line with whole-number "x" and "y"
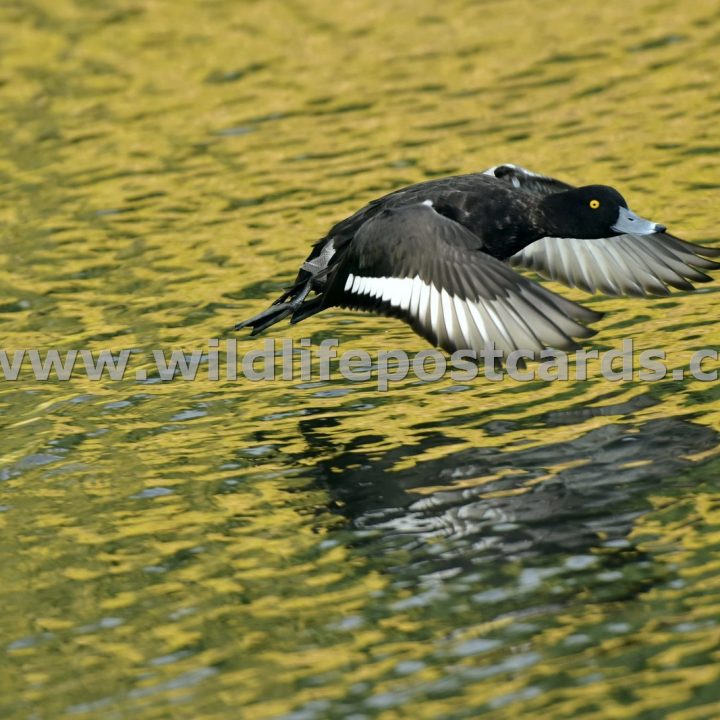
{"x": 416, "y": 264}
{"x": 637, "y": 265}
{"x": 524, "y": 179}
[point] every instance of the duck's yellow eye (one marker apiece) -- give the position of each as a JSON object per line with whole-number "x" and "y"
{"x": 594, "y": 204}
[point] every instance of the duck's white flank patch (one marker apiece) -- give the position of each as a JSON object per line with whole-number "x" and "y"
{"x": 429, "y": 203}
{"x": 518, "y": 168}
{"x": 321, "y": 261}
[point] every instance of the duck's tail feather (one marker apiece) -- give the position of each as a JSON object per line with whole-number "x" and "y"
{"x": 291, "y": 302}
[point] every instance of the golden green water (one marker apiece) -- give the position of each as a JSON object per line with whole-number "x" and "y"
{"x": 321, "y": 550}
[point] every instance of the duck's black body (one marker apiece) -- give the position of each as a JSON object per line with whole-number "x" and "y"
{"x": 432, "y": 254}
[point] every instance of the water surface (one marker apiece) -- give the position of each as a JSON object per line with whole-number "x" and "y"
{"x": 321, "y": 550}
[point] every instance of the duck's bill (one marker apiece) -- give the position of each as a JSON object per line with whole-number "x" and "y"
{"x": 629, "y": 222}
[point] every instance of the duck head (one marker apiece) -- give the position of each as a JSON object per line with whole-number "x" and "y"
{"x": 592, "y": 211}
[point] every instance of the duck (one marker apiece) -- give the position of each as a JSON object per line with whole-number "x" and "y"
{"x": 442, "y": 254}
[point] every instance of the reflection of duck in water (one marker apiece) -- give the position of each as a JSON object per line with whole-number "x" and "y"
{"x": 431, "y": 255}
{"x": 494, "y": 501}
